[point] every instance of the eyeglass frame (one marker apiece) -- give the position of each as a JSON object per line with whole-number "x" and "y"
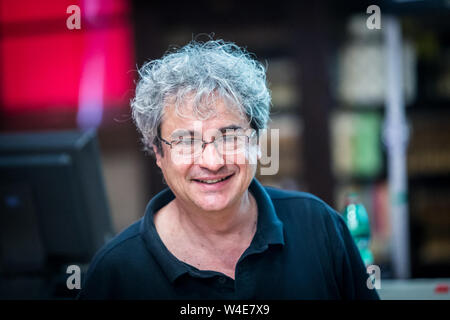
{"x": 204, "y": 143}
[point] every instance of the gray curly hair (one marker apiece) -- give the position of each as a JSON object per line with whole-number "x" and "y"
{"x": 208, "y": 70}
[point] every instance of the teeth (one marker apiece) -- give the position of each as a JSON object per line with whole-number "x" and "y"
{"x": 212, "y": 181}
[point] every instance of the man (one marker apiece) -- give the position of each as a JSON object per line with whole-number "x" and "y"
{"x": 216, "y": 232}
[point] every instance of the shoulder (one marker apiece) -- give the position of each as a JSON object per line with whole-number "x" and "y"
{"x": 298, "y": 201}
{"x": 114, "y": 263}
{"x": 122, "y": 248}
{"x": 306, "y": 209}
{"x": 280, "y": 194}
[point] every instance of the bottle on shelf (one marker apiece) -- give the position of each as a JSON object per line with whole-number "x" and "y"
{"x": 357, "y": 220}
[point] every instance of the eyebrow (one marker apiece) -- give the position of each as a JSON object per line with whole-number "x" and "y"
{"x": 182, "y": 132}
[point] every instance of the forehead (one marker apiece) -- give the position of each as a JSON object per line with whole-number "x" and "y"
{"x": 221, "y": 115}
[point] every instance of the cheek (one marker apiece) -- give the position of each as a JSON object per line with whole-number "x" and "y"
{"x": 249, "y": 157}
{"x": 173, "y": 171}
{"x": 251, "y": 171}
{"x": 247, "y": 171}
{"x": 181, "y": 160}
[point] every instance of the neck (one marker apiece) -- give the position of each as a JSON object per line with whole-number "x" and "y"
{"x": 236, "y": 222}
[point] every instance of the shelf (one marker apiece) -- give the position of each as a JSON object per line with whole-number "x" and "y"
{"x": 431, "y": 178}
{"x": 429, "y": 106}
{"x": 343, "y": 107}
{"x": 343, "y": 180}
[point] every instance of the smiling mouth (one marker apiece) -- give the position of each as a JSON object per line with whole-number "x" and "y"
{"x": 213, "y": 181}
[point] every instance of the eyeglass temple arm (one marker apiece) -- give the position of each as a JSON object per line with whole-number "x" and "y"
{"x": 165, "y": 141}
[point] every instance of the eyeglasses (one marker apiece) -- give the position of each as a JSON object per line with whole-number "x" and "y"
{"x": 227, "y": 144}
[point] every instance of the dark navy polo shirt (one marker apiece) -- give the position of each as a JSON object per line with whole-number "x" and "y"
{"x": 302, "y": 249}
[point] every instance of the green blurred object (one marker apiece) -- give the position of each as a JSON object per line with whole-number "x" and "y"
{"x": 367, "y": 155}
{"x": 357, "y": 221}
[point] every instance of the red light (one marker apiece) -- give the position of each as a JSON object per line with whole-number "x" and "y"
{"x": 43, "y": 62}
{"x": 441, "y": 288}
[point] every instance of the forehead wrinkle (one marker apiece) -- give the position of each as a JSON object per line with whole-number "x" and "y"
{"x": 221, "y": 110}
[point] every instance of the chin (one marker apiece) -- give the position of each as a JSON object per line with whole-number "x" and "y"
{"x": 213, "y": 203}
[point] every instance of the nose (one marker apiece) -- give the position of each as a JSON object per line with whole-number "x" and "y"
{"x": 211, "y": 159}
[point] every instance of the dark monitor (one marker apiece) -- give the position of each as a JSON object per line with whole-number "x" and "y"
{"x": 53, "y": 203}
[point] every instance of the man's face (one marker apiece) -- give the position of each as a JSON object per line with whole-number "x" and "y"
{"x": 192, "y": 181}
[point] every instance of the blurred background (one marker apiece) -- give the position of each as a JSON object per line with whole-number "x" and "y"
{"x": 359, "y": 110}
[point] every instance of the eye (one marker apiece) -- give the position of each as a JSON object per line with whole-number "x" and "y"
{"x": 186, "y": 141}
{"x": 229, "y": 138}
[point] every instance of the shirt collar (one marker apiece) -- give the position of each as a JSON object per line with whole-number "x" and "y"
{"x": 269, "y": 229}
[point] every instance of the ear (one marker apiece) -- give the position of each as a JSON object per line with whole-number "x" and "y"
{"x": 157, "y": 155}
